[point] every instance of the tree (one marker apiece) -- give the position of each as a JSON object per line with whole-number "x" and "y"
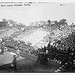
{"x": 56, "y": 22}
{"x": 49, "y": 21}
{"x": 12, "y": 23}
{"x": 3, "y": 23}
{"x": 63, "y": 22}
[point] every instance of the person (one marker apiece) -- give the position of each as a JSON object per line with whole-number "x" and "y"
{"x": 44, "y": 56}
{"x": 15, "y": 62}
{"x": 47, "y": 51}
{"x": 39, "y": 57}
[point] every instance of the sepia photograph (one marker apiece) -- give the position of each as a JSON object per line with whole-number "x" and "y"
{"x": 37, "y": 37}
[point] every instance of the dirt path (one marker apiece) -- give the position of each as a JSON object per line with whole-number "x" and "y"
{"x": 29, "y": 66}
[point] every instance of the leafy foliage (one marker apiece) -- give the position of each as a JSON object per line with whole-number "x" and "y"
{"x": 11, "y": 45}
{"x": 60, "y": 34}
{"x": 3, "y": 23}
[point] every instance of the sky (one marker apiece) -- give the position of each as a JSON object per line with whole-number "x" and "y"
{"x": 39, "y": 11}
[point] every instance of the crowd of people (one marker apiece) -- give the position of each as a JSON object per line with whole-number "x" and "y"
{"x": 52, "y": 53}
